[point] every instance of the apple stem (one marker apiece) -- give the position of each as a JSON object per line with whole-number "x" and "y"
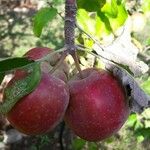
{"x": 76, "y": 60}
{"x": 70, "y": 25}
{"x": 63, "y": 56}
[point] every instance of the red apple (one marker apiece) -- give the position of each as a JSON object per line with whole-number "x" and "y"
{"x": 38, "y": 52}
{"x": 98, "y": 107}
{"x": 41, "y": 110}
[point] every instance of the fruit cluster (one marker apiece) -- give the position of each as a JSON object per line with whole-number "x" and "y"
{"x": 94, "y": 106}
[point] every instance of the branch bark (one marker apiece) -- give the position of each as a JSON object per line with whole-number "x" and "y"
{"x": 70, "y": 24}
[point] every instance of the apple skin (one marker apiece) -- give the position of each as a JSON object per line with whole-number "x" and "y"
{"x": 98, "y": 107}
{"x": 37, "y": 52}
{"x": 41, "y": 110}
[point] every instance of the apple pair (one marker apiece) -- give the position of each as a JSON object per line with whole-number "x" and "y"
{"x": 94, "y": 107}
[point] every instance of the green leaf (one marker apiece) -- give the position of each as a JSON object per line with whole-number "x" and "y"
{"x": 85, "y": 21}
{"x": 146, "y": 86}
{"x": 146, "y": 6}
{"x": 90, "y": 5}
{"x": 145, "y": 132}
{"x": 78, "y": 144}
{"x": 9, "y": 64}
{"x": 92, "y": 146}
{"x": 105, "y": 20}
{"x": 41, "y": 19}
{"x": 132, "y": 120}
{"x": 110, "y": 140}
{"x": 100, "y": 28}
{"x": 110, "y": 8}
{"x": 116, "y": 13}
{"x": 121, "y": 17}
{"x": 21, "y": 87}
{"x": 140, "y": 138}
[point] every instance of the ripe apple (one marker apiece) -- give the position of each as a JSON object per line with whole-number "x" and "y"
{"x": 41, "y": 110}
{"x": 98, "y": 107}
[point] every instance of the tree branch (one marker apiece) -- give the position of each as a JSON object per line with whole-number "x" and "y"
{"x": 70, "y": 24}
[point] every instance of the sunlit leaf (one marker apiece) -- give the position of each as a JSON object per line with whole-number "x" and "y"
{"x": 41, "y": 19}
{"x": 110, "y": 8}
{"x": 120, "y": 19}
{"x": 146, "y": 86}
{"x": 131, "y": 120}
{"x": 87, "y": 24}
{"x": 105, "y": 20}
{"x": 146, "y": 5}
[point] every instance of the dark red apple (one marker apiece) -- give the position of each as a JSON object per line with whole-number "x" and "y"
{"x": 41, "y": 110}
{"x": 37, "y": 52}
{"x": 98, "y": 107}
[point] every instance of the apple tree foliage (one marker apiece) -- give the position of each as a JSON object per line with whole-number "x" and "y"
{"x": 98, "y": 18}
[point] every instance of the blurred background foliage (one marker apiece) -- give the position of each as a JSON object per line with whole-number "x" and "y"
{"x": 101, "y": 19}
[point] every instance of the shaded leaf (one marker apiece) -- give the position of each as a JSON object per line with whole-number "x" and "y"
{"x": 146, "y": 86}
{"x": 105, "y": 20}
{"x": 41, "y": 19}
{"x": 9, "y": 64}
{"x": 90, "y": 5}
{"x": 145, "y": 132}
{"x": 78, "y": 144}
{"x": 92, "y": 146}
{"x": 14, "y": 92}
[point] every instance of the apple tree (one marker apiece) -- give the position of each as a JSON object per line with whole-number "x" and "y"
{"x": 95, "y": 96}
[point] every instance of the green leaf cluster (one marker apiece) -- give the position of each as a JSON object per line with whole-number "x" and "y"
{"x": 101, "y": 17}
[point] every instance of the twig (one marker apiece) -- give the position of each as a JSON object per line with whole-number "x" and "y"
{"x": 76, "y": 60}
{"x": 98, "y": 56}
{"x": 82, "y": 48}
{"x": 93, "y": 39}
